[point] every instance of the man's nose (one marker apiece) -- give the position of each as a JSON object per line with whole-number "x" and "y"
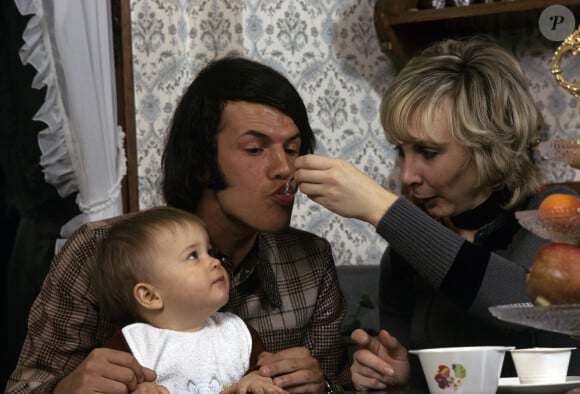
{"x": 281, "y": 164}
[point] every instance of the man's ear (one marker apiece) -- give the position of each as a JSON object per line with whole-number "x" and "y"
{"x": 147, "y": 296}
{"x": 203, "y": 176}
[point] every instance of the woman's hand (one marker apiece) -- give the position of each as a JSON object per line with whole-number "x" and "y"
{"x": 379, "y": 363}
{"x": 341, "y": 187}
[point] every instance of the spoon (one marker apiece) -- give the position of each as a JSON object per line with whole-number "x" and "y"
{"x": 287, "y": 186}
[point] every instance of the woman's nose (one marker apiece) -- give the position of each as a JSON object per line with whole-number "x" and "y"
{"x": 409, "y": 173}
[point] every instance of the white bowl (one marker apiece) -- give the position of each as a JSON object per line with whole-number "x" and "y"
{"x": 542, "y": 364}
{"x": 472, "y": 369}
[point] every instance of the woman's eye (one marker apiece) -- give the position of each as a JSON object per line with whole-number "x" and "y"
{"x": 400, "y": 151}
{"x": 428, "y": 153}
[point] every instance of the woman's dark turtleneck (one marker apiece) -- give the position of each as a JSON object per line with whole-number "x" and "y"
{"x": 480, "y": 215}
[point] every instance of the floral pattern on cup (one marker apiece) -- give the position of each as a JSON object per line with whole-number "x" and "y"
{"x": 450, "y": 377}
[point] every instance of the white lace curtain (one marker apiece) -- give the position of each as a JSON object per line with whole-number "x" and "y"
{"x": 69, "y": 42}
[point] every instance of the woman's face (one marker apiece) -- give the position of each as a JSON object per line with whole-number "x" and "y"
{"x": 438, "y": 170}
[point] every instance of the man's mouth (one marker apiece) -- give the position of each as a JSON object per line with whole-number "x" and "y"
{"x": 283, "y": 192}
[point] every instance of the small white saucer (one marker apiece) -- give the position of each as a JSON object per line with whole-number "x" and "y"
{"x": 513, "y": 385}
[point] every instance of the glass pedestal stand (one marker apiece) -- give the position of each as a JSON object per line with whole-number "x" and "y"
{"x": 564, "y": 319}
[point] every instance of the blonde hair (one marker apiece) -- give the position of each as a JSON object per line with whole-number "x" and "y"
{"x": 484, "y": 92}
{"x": 124, "y": 255}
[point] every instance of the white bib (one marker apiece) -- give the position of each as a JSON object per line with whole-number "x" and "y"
{"x": 201, "y": 362}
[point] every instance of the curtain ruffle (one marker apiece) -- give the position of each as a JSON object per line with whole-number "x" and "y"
{"x": 114, "y": 192}
{"x": 38, "y": 51}
{"x": 70, "y": 45}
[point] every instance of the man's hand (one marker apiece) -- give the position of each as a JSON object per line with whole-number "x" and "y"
{"x": 255, "y": 383}
{"x": 150, "y": 388}
{"x": 106, "y": 371}
{"x": 379, "y": 363}
{"x": 293, "y": 369}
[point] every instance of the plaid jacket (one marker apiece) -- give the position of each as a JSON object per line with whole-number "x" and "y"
{"x": 291, "y": 296}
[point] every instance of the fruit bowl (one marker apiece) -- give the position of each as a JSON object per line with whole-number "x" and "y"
{"x": 563, "y": 319}
{"x": 559, "y": 225}
{"x": 567, "y": 151}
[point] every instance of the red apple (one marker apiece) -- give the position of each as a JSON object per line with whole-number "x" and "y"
{"x": 554, "y": 277}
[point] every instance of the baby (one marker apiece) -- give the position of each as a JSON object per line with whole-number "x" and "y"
{"x": 156, "y": 270}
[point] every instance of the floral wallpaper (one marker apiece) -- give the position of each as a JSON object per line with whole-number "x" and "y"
{"x": 329, "y": 50}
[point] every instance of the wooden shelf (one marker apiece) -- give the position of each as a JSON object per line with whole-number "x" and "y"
{"x": 404, "y": 30}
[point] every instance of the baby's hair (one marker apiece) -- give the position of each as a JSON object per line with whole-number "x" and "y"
{"x": 123, "y": 257}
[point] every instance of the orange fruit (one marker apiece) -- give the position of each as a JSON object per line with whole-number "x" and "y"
{"x": 559, "y": 204}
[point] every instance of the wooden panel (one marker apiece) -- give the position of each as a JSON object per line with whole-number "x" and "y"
{"x": 404, "y": 30}
{"x": 126, "y": 99}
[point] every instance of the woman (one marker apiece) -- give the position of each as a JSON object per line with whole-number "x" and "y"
{"x": 463, "y": 121}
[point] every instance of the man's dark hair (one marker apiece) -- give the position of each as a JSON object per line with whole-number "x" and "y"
{"x": 190, "y": 155}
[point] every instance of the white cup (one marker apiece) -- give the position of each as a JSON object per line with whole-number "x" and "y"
{"x": 472, "y": 369}
{"x": 541, "y": 365}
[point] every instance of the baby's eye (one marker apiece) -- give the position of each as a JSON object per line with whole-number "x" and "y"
{"x": 193, "y": 256}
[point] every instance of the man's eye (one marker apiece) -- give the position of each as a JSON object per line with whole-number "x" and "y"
{"x": 254, "y": 151}
{"x": 292, "y": 152}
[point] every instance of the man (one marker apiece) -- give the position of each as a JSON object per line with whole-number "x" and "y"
{"x": 230, "y": 151}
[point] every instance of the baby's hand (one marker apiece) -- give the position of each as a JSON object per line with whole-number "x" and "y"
{"x": 255, "y": 383}
{"x": 150, "y": 388}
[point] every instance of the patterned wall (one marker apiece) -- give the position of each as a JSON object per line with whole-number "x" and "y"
{"x": 329, "y": 50}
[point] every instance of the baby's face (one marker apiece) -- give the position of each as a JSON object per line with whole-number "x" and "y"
{"x": 189, "y": 279}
